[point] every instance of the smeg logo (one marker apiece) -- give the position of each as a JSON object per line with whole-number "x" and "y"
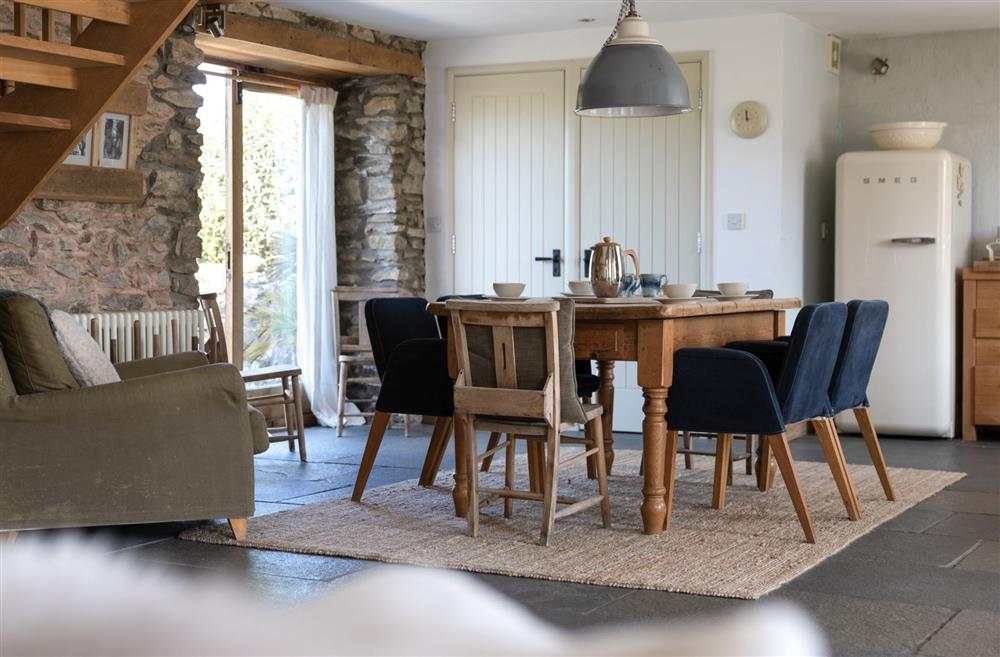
{"x": 881, "y": 180}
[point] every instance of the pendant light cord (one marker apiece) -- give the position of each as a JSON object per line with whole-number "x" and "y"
{"x": 627, "y": 9}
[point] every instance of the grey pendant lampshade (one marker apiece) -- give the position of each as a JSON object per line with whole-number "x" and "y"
{"x": 633, "y": 75}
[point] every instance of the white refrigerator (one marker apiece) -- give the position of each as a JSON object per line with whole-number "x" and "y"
{"x": 903, "y": 233}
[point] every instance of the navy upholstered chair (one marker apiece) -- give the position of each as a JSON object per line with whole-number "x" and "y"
{"x": 412, "y": 363}
{"x": 848, "y": 388}
{"x": 727, "y": 391}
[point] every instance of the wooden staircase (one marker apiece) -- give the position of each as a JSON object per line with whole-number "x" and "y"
{"x": 52, "y": 91}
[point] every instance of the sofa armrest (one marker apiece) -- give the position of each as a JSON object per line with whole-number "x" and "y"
{"x": 175, "y": 446}
{"x": 722, "y": 391}
{"x": 161, "y": 364}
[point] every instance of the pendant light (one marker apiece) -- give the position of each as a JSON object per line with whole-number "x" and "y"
{"x": 633, "y": 75}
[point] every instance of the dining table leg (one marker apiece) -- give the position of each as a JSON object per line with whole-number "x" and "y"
{"x": 606, "y": 398}
{"x": 460, "y": 493}
{"x": 654, "y": 442}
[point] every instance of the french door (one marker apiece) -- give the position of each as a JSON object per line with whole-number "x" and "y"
{"x": 509, "y": 169}
{"x": 250, "y": 213}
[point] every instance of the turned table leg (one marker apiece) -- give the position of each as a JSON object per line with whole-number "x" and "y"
{"x": 606, "y": 398}
{"x": 654, "y": 440}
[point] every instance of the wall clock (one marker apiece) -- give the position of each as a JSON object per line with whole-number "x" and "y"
{"x": 749, "y": 119}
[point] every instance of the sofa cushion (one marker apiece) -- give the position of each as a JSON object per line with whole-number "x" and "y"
{"x": 29, "y": 346}
{"x": 89, "y": 365}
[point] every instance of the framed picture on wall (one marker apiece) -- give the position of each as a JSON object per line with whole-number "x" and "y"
{"x": 113, "y": 137}
{"x": 83, "y": 153}
{"x": 833, "y": 53}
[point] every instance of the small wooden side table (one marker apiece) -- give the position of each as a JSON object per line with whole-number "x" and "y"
{"x": 980, "y": 350}
{"x": 290, "y": 398}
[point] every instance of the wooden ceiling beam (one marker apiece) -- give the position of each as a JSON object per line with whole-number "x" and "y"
{"x": 283, "y": 47}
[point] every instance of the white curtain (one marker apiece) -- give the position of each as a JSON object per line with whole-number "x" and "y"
{"x": 318, "y": 328}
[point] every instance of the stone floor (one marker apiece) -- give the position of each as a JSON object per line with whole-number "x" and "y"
{"x": 926, "y": 583}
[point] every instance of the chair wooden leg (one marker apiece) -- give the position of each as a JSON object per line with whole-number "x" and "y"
{"x": 723, "y": 452}
{"x": 669, "y": 475}
{"x": 827, "y": 441}
{"x": 300, "y": 424}
{"x": 536, "y": 466}
{"x": 493, "y": 442}
{"x": 341, "y": 397}
{"x": 783, "y": 455}
{"x": 379, "y": 423}
{"x": 435, "y": 450}
{"x": 864, "y": 419}
{"x": 764, "y": 476}
{"x": 285, "y": 390}
{"x": 687, "y": 445}
{"x": 472, "y": 513}
{"x": 508, "y": 475}
{"x": 550, "y": 483}
{"x": 749, "y": 464}
{"x": 239, "y": 527}
{"x": 596, "y": 430}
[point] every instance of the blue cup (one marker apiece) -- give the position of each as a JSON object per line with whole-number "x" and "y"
{"x": 630, "y": 285}
{"x": 652, "y": 284}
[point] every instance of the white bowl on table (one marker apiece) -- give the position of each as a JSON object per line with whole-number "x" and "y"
{"x": 906, "y": 135}
{"x": 508, "y": 290}
{"x": 733, "y": 289}
{"x": 679, "y": 290}
{"x": 581, "y": 288}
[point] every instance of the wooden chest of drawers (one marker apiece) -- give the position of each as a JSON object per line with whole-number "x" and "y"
{"x": 980, "y": 351}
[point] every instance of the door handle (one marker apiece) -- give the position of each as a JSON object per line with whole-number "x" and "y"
{"x": 913, "y": 240}
{"x": 556, "y": 261}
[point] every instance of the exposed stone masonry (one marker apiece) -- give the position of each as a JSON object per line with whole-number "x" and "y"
{"x": 80, "y": 256}
{"x": 101, "y": 256}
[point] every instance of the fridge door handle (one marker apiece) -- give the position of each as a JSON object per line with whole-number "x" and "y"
{"x": 913, "y": 240}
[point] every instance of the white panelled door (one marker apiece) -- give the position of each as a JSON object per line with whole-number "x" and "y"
{"x": 640, "y": 183}
{"x": 509, "y": 180}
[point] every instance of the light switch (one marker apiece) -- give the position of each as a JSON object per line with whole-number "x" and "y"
{"x": 736, "y": 220}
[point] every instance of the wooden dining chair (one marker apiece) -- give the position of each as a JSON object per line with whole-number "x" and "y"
{"x": 517, "y": 379}
{"x": 287, "y": 377}
{"x": 355, "y": 359}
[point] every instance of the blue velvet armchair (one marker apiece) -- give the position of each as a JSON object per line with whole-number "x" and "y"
{"x": 412, "y": 363}
{"x": 727, "y": 391}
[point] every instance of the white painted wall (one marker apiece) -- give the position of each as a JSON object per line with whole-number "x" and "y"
{"x": 748, "y": 60}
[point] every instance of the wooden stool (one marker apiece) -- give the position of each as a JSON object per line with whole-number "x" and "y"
{"x": 290, "y": 399}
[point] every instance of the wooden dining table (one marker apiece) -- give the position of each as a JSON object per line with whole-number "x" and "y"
{"x": 646, "y": 332}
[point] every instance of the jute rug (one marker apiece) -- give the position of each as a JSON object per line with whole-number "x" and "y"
{"x": 745, "y": 550}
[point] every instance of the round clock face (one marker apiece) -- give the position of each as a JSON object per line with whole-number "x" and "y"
{"x": 749, "y": 119}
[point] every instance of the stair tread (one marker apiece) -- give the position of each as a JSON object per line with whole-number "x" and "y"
{"x": 61, "y": 54}
{"x": 13, "y": 121}
{"x": 111, "y": 11}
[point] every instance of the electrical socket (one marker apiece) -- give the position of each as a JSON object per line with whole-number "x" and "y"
{"x": 736, "y": 221}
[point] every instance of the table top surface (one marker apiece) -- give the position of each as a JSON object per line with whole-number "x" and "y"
{"x": 653, "y": 309}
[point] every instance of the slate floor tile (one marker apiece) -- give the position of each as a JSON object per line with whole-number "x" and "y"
{"x": 642, "y": 605}
{"x": 916, "y": 520}
{"x": 969, "y": 633}
{"x": 963, "y": 501}
{"x": 897, "y": 581}
{"x": 860, "y": 626}
{"x": 243, "y": 561}
{"x": 902, "y": 547}
{"x": 986, "y": 558}
{"x": 553, "y": 600}
{"x": 974, "y": 525}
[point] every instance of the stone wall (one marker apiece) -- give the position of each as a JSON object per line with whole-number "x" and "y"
{"x": 380, "y": 177}
{"x": 101, "y": 256}
{"x": 81, "y": 256}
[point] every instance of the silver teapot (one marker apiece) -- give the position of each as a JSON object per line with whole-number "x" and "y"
{"x": 607, "y": 267}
